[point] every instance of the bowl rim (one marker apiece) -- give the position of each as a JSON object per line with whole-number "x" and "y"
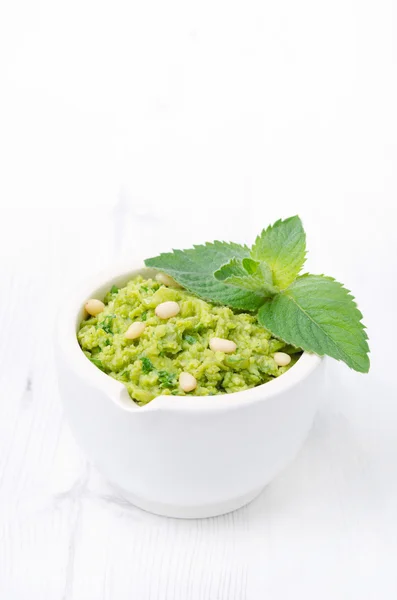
{"x": 71, "y": 313}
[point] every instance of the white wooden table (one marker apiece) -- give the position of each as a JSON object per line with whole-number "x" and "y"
{"x": 165, "y": 124}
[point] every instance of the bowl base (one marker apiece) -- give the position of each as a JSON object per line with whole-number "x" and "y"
{"x": 190, "y": 512}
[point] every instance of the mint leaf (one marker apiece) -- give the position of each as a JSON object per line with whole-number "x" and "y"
{"x": 114, "y": 289}
{"x": 282, "y": 246}
{"x": 194, "y": 270}
{"x": 247, "y": 274}
{"x": 319, "y": 315}
{"x": 251, "y": 267}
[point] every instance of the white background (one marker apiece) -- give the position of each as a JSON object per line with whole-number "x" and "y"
{"x": 130, "y": 127}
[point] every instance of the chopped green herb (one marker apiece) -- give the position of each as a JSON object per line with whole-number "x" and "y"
{"x": 147, "y": 365}
{"x": 114, "y": 289}
{"x": 107, "y": 343}
{"x": 190, "y": 339}
{"x": 106, "y": 324}
{"x": 166, "y": 379}
{"x": 97, "y": 363}
{"x": 144, "y": 288}
{"x": 144, "y": 316}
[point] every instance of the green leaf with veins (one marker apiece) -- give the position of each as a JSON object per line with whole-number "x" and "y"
{"x": 247, "y": 274}
{"x": 282, "y": 247}
{"x": 194, "y": 270}
{"x": 251, "y": 267}
{"x": 317, "y": 314}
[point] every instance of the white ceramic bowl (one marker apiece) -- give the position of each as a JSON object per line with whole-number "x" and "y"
{"x": 182, "y": 456}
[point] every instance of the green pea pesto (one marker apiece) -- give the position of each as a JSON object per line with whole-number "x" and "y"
{"x": 150, "y": 365}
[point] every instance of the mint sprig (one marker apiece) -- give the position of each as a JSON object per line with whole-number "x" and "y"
{"x": 312, "y": 312}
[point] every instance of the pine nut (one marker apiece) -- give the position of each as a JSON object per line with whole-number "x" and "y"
{"x": 134, "y": 330}
{"x": 187, "y": 382}
{"x": 222, "y": 345}
{"x": 282, "y": 359}
{"x": 167, "y": 280}
{"x": 166, "y": 310}
{"x": 94, "y": 307}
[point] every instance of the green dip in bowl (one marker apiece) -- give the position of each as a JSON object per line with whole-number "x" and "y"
{"x": 151, "y": 364}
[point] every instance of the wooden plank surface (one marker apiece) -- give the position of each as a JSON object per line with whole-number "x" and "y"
{"x": 327, "y": 523}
